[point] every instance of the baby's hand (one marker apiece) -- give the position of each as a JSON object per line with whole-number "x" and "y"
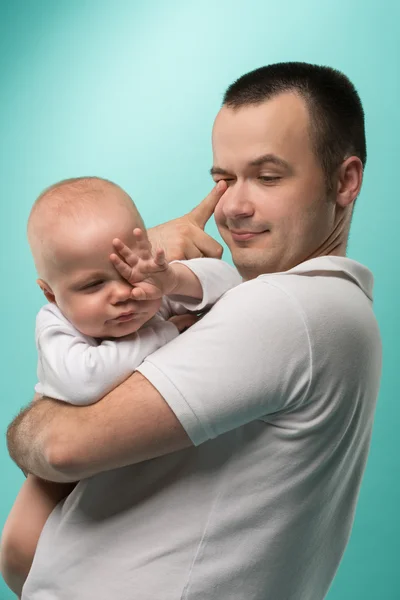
{"x": 150, "y": 275}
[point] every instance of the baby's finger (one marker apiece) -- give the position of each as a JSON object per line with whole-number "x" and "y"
{"x": 123, "y": 269}
{"x": 143, "y": 246}
{"x": 138, "y": 293}
{"x": 159, "y": 258}
{"x": 123, "y": 250}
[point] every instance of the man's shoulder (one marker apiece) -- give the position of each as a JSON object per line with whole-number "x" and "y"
{"x": 327, "y": 268}
{"x": 256, "y": 305}
{"x": 333, "y": 295}
{"x": 321, "y": 292}
{"x": 321, "y": 276}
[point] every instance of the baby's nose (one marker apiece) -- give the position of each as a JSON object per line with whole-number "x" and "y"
{"x": 121, "y": 292}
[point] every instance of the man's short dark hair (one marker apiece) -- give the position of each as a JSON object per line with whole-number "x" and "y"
{"x": 336, "y": 112}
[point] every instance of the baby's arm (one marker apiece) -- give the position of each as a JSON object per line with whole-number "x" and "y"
{"x": 32, "y": 507}
{"x": 150, "y": 274}
{"x": 73, "y": 369}
{"x": 216, "y": 278}
{"x": 153, "y": 277}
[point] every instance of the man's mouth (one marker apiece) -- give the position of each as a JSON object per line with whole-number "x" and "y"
{"x": 239, "y": 235}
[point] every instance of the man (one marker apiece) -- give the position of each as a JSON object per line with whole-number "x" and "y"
{"x": 229, "y": 466}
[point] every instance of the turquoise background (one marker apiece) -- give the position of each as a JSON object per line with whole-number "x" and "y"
{"x": 128, "y": 90}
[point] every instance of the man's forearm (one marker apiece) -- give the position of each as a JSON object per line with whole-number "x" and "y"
{"x": 60, "y": 442}
{"x": 29, "y": 439}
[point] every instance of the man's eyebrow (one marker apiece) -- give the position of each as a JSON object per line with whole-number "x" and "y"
{"x": 218, "y": 171}
{"x": 258, "y": 162}
{"x": 270, "y": 158}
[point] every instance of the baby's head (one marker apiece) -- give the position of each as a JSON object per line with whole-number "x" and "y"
{"x": 70, "y": 231}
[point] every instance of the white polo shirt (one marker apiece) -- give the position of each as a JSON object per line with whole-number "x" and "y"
{"x": 276, "y": 387}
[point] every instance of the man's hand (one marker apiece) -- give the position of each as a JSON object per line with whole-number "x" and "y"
{"x": 150, "y": 274}
{"x": 184, "y": 238}
{"x": 183, "y": 322}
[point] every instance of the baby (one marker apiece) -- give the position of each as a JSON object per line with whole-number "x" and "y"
{"x": 112, "y": 302}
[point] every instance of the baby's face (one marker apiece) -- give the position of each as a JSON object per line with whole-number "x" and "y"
{"x": 87, "y": 288}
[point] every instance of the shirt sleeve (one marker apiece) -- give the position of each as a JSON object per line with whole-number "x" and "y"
{"x": 216, "y": 278}
{"x": 247, "y": 358}
{"x": 78, "y": 370}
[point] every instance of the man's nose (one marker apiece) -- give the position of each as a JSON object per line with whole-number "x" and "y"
{"x": 121, "y": 292}
{"x": 236, "y": 202}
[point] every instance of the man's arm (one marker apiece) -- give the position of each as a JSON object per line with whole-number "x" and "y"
{"x": 232, "y": 367}
{"x": 61, "y": 442}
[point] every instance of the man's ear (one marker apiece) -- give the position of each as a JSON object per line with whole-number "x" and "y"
{"x": 47, "y": 291}
{"x": 349, "y": 181}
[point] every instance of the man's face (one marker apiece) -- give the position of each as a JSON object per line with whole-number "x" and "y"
{"x": 276, "y": 212}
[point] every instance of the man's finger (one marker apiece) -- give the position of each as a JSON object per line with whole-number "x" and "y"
{"x": 203, "y": 211}
{"x": 191, "y": 251}
{"x": 206, "y": 244}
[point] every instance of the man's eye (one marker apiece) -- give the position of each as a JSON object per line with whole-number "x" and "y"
{"x": 227, "y": 179}
{"x": 269, "y": 178}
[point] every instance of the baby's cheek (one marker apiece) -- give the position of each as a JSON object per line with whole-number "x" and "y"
{"x": 84, "y": 310}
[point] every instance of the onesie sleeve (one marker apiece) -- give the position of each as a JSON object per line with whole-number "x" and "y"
{"x": 216, "y": 278}
{"x": 78, "y": 369}
{"x": 247, "y": 358}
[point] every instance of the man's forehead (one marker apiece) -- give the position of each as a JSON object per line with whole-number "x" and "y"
{"x": 282, "y": 118}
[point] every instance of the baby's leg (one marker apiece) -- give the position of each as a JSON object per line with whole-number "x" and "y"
{"x": 32, "y": 507}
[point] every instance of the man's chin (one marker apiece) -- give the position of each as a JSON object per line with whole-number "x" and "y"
{"x": 248, "y": 271}
{"x": 252, "y": 267}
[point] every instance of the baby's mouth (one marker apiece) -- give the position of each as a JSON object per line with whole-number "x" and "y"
{"x": 127, "y": 316}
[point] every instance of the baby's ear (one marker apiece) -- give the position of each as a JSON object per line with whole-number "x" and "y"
{"x": 47, "y": 291}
